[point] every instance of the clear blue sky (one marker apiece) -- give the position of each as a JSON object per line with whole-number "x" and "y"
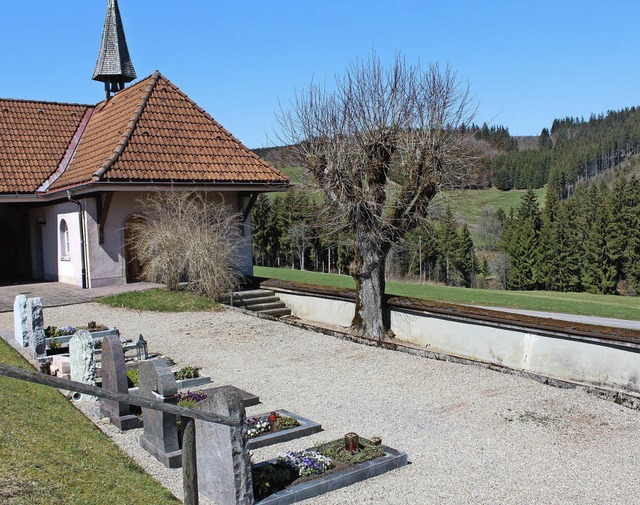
{"x": 526, "y": 62}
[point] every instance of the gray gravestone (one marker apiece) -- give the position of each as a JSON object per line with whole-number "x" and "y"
{"x": 114, "y": 378}
{"x": 160, "y": 438}
{"x": 20, "y": 326}
{"x": 83, "y": 366}
{"x": 35, "y": 325}
{"x": 224, "y": 466}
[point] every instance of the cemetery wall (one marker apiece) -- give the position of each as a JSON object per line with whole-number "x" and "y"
{"x": 549, "y": 354}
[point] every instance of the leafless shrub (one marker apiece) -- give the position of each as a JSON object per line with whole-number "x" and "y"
{"x": 187, "y": 236}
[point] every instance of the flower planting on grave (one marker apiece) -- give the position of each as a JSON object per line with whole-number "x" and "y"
{"x": 187, "y": 372}
{"x": 189, "y": 398}
{"x": 274, "y": 422}
{"x": 294, "y": 467}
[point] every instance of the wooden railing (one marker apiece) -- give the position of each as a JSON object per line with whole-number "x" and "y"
{"x": 189, "y": 468}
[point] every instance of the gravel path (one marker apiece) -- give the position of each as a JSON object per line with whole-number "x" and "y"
{"x": 472, "y": 435}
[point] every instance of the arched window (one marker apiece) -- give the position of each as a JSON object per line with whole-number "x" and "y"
{"x": 64, "y": 240}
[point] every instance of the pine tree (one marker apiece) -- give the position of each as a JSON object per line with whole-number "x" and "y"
{"x": 466, "y": 263}
{"x": 599, "y": 272}
{"x": 631, "y": 213}
{"x": 548, "y": 248}
{"x": 544, "y": 141}
{"x": 447, "y": 235}
{"x": 523, "y": 250}
{"x": 568, "y": 248}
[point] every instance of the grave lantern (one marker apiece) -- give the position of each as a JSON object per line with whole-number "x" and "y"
{"x": 142, "y": 351}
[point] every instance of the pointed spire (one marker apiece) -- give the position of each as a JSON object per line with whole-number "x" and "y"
{"x": 114, "y": 66}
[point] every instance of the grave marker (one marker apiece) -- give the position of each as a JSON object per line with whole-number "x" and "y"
{"x": 224, "y": 467}
{"x": 35, "y": 325}
{"x": 160, "y": 438}
{"x": 20, "y": 326}
{"x": 114, "y": 378}
{"x": 83, "y": 366}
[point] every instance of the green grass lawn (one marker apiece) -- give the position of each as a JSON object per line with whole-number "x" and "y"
{"x": 160, "y": 300}
{"x": 622, "y": 307}
{"x": 51, "y": 453}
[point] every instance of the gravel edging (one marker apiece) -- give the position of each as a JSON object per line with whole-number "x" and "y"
{"x": 472, "y": 436}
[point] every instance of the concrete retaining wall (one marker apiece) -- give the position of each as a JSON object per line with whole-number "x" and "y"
{"x": 552, "y": 354}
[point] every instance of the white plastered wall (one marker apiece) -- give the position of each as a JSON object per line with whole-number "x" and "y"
{"x": 107, "y": 264}
{"x": 54, "y": 265}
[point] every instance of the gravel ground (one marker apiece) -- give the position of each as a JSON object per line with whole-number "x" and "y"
{"x": 472, "y": 435}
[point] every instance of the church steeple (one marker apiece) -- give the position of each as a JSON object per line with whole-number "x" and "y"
{"x": 114, "y": 66}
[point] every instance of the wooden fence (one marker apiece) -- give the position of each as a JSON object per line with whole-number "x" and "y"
{"x": 189, "y": 467}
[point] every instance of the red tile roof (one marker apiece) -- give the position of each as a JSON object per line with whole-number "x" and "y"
{"x": 149, "y": 132}
{"x": 33, "y": 139}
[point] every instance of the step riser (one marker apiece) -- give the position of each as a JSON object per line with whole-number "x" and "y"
{"x": 267, "y": 306}
{"x": 276, "y": 312}
{"x": 247, "y": 295}
{"x": 255, "y": 301}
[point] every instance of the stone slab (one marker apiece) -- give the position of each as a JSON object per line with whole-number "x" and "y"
{"x": 223, "y": 461}
{"x": 114, "y": 378}
{"x": 35, "y": 326}
{"x": 160, "y": 436}
{"x": 83, "y": 366}
{"x": 393, "y": 459}
{"x": 306, "y": 428}
{"x": 20, "y": 328}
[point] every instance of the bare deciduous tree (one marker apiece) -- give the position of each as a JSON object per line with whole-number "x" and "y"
{"x": 187, "y": 235}
{"x": 380, "y": 146}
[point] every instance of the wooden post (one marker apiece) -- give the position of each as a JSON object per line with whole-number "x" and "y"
{"x": 189, "y": 464}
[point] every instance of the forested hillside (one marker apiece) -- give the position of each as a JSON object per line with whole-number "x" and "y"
{"x": 574, "y": 150}
{"x": 584, "y": 236}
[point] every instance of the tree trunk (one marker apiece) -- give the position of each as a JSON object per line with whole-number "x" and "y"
{"x": 368, "y": 270}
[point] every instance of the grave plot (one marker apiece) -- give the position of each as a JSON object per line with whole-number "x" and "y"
{"x": 262, "y": 430}
{"x": 277, "y": 427}
{"x": 299, "y": 475}
{"x": 226, "y": 476}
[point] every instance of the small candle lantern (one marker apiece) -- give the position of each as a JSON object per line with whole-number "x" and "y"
{"x": 351, "y": 442}
{"x": 91, "y": 325}
{"x": 273, "y": 417}
{"x": 376, "y": 440}
{"x": 142, "y": 351}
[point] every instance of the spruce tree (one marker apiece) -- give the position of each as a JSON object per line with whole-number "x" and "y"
{"x": 524, "y": 250}
{"x": 447, "y": 242}
{"x": 599, "y": 272}
{"x": 548, "y": 248}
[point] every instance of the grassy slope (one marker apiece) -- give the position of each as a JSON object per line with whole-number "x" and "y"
{"x": 51, "y": 453}
{"x": 570, "y": 303}
{"x": 468, "y": 203}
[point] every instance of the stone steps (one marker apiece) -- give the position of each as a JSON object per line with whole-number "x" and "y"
{"x": 262, "y": 301}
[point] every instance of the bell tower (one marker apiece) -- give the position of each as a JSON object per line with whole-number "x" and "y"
{"x": 114, "y": 66}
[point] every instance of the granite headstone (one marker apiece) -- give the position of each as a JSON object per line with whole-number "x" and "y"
{"x": 83, "y": 366}
{"x": 160, "y": 438}
{"x": 114, "y": 378}
{"x": 224, "y": 466}
{"x": 35, "y": 325}
{"x": 20, "y": 326}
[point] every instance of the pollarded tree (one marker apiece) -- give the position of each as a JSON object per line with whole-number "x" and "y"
{"x": 380, "y": 146}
